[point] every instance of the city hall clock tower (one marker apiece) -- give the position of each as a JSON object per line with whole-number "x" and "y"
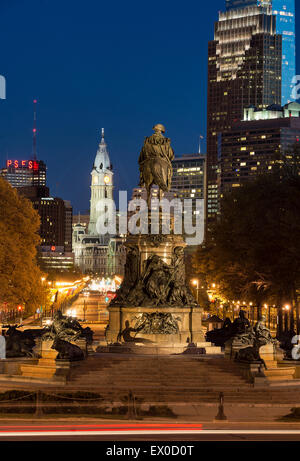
{"x": 102, "y": 184}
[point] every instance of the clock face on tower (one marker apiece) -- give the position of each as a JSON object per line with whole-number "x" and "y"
{"x": 106, "y": 179}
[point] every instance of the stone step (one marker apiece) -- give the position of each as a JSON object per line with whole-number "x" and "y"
{"x": 189, "y": 384}
{"x": 168, "y": 378}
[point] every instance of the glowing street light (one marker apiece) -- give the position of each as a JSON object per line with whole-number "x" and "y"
{"x": 195, "y": 282}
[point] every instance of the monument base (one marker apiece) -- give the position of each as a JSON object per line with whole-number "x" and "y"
{"x": 124, "y": 320}
{"x": 273, "y": 372}
{"x": 160, "y": 349}
{"x": 257, "y": 373}
{"x": 48, "y": 368}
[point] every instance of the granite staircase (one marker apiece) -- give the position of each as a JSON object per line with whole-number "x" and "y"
{"x": 159, "y": 378}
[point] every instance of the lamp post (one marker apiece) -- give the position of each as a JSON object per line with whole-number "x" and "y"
{"x": 195, "y": 282}
{"x": 41, "y": 316}
{"x": 268, "y": 310}
{"x": 287, "y": 308}
{"x": 84, "y": 309}
{"x": 20, "y": 308}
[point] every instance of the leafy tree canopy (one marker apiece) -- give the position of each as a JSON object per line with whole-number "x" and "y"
{"x": 20, "y": 277}
{"x": 253, "y": 250}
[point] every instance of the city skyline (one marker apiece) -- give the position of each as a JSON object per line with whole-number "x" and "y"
{"x": 71, "y": 117}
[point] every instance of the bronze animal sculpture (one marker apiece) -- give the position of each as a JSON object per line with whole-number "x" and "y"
{"x": 67, "y": 351}
{"x": 19, "y": 343}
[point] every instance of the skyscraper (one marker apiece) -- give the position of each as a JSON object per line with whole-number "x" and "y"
{"x": 21, "y": 173}
{"x": 188, "y": 178}
{"x": 263, "y": 142}
{"x": 284, "y": 10}
{"x": 244, "y": 68}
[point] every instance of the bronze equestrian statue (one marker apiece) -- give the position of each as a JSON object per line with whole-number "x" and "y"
{"x": 155, "y": 163}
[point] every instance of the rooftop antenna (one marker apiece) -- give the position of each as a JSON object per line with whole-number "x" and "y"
{"x": 200, "y": 138}
{"x": 34, "y": 131}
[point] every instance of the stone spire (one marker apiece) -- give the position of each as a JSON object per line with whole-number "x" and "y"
{"x": 102, "y": 160}
{"x": 101, "y": 185}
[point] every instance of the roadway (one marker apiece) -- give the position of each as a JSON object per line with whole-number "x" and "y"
{"x": 75, "y": 430}
{"x": 90, "y": 307}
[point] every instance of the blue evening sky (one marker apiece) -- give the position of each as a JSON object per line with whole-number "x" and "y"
{"x": 90, "y": 64}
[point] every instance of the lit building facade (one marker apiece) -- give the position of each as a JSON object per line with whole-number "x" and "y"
{"x": 103, "y": 255}
{"x": 22, "y": 173}
{"x": 102, "y": 184}
{"x": 140, "y": 193}
{"x": 284, "y": 10}
{"x": 55, "y": 259}
{"x": 29, "y": 177}
{"x": 90, "y": 253}
{"x": 259, "y": 144}
{"x": 244, "y": 68}
{"x": 188, "y": 178}
{"x": 81, "y": 218}
{"x": 55, "y": 250}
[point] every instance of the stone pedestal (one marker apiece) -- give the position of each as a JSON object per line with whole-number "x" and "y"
{"x": 254, "y": 371}
{"x": 47, "y": 366}
{"x": 189, "y": 329}
{"x": 268, "y": 354}
{"x": 273, "y": 371}
{"x": 232, "y": 347}
{"x": 82, "y": 344}
{"x": 188, "y": 320}
{"x": 295, "y": 364}
{"x": 11, "y": 366}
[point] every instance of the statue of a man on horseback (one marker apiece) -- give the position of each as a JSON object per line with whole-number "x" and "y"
{"x": 155, "y": 162}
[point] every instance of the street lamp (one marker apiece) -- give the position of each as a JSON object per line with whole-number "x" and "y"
{"x": 20, "y": 308}
{"x": 269, "y": 314}
{"x": 287, "y": 308}
{"x": 195, "y": 282}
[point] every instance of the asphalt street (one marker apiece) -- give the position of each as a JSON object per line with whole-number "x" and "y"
{"x": 135, "y": 432}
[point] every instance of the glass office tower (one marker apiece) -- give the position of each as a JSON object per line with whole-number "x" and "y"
{"x": 244, "y": 68}
{"x": 284, "y": 10}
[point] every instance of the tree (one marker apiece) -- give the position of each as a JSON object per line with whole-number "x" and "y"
{"x": 20, "y": 277}
{"x": 253, "y": 251}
